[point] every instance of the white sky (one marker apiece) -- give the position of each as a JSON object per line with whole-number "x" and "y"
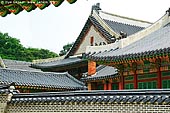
{"x": 53, "y": 27}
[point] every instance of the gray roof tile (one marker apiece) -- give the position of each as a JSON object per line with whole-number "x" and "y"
{"x": 58, "y": 63}
{"x": 3, "y": 89}
{"x": 40, "y": 79}
{"x": 102, "y": 72}
{"x": 154, "y": 42}
{"x": 114, "y": 96}
{"x": 121, "y": 27}
{"x": 15, "y": 64}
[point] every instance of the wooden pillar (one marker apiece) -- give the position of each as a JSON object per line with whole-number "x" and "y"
{"x": 89, "y": 86}
{"x": 91, "y": 68}
{"x": 121, "y": 83}
{"x": 110, "y": 85}
{"x": 159, "y": 80}
{"x": 135, "y": 80}
{"x": 105, "y": 86}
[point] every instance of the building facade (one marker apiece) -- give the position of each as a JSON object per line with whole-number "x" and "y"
{"x": 141, "y": 60}
{"x": 101, "y": 28}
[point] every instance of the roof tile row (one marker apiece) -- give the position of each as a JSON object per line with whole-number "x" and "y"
{"x": 126, "y": 96}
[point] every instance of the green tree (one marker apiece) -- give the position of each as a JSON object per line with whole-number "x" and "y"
{"x": 65, "y": 49}
{"x": 11, "y": 48}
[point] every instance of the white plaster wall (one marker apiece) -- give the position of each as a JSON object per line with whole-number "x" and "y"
{"x": 86, "y": 42}
{"x": 103, "y": 48}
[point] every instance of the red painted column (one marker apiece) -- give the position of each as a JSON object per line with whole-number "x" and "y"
{"x": 121, "y": 83}
{"x": 110, "y": 85}
{"x": 89, "y": 86}
{"x": 91, "y": 67}
{"x": 105, "y": 86}
{"x": 159, "y": 85}
{"x": 135, "y": 80}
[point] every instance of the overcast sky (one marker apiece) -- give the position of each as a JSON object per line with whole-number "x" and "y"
{"x": 53, "y": 27}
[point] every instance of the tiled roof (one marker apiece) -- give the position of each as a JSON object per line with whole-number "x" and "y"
{"x": 3, "y": 89}
{"x": 154, "y": 44}
{"x": 115, "y": 26}
{"x": 91, "y": 21}
{"x": 14, "y": 64}
{"x": 154, "y": 96}
{"x": 102, "y": 72}
{"x": 58, "y": 63}
{"x": 15, "y": 7}
{"x": 121, "y": 27}
{"x": 40, "y": 79}
{"x": 124, "y": 20}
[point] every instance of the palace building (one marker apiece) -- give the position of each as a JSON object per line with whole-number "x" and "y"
{"x": 140, "y": 61}
{"x": 123, "y": 62}
{"x": 101, "y": 28}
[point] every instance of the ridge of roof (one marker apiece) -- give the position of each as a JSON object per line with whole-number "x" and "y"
{"x": 16, "y": 61}
{"x": 111, "y": 14}
{"x": 164, "y": 20}
{"x": 32, "y": 71}
{"x": 16, "y": 64}
{"x": 48, "y": 59}
{"x": 139, "y": 96}
{"x": 58, "y": 63}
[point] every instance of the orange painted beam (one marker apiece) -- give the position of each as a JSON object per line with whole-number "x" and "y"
{"x": 91, "y": 67}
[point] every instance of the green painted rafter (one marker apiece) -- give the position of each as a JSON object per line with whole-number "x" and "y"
{"x": 16, "y": 6}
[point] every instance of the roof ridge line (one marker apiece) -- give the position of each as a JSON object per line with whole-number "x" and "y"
{"x": 164, "y": 20}
{"x": 124, "y": 23}
{"x": 48, "y": 60}
{"x": 33, "y": 71}
{"x": 104, "y": 24}
{"x": 127, "y": 17}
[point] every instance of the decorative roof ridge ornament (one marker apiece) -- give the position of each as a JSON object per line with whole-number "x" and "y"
{"x": 96, "y": 7}
{"x": 2, "y": 63}
{"x": 168, "y": 11}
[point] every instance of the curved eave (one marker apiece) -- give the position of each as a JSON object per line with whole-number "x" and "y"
{"x": 43, "y": 86}
{"x": 130, "y": 57}
{"x": 58, "y": 66}
{"x": 15, "y": 7}
{"x": 93, "y": 78}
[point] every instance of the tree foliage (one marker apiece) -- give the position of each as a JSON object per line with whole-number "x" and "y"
{"x": 11, "y": 48}
{"x": 65, "y": 49}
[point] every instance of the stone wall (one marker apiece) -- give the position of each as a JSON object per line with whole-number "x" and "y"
{"x": 88, "y": 108}
{"x": 3, "y": 102}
